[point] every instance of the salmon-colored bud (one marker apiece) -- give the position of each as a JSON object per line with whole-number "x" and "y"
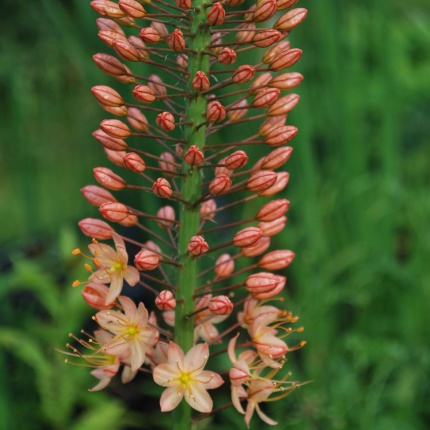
{"x": 250, "y": 12}
{"x": 115, "y": 157}
{"x": 183, "y": 4}
{"x": 286, "y": 81}
{"x": 109, "y": 64}
{"x": 224, "y": 266}
{"x": 276, "y": 260}
{"x": 227, "y": 56}
{"x": 285, "y": 59}
{"x": 143, "y": 93}
{"x": 110, "y": 142}
{"x": 115, "y": 110}
{"x": 216, "y": 40}
{"x": 109, "y": 179}
{"x": 275, "y": 50}
{"x": 167, "y": 163}
{"x": 126, "y": 20}
{"x": 261, "y": 180}
{"x": 246, "y": 33}
{"x": 284, "y": 105}
{"x": 140, "y": 46}
{"x": 216, "y": 15}
{"x": 179, "y": 149}
{"x": 129, "y": 221}
{"x": 107, "y": 96}
{"x": 276, "y": 158}
{"x": 132, "y": 8}
{"x": 161, "y": 29}
{"x": 285, "y": 4}
{"x": 149, "y": 35}
{"x": 165, "y": 301}
{"x": 126, "y": 50}
{"x": 193, "y": 156}
{"x": 162, "y": 188}
{"x": 134, "y": 162}
{"x": 220, "y": 305}
{"x": 108, "y": 24}
{"x": 267, "y": 294}
{"x": 274, "y": 227}
{"x": 281, "y": 135}
{"x": 152, "y": 246}
{"x": 207, "y": 210}
{"x": 266, "y": 98}
{"x": 107, "y": 8}
{"x": 137, "y": 119}
{"x": 200, "y": 82}
{"x": 261, "y": 246}
{"x": 97, "y": 195}
{"x": 265, "y": 38}
{"x": 96, "y": 294}
{"x": 221, "y": 169}
{"x": 265, "y": 10}
{"x": 182, "y": 60}
{"x": 157, "y": 85}
{"x": 261, "y": 282}
{"x": 272, "y": 123}
{"x": 114, "y": 211}
{"x": 110, "y": 36}
{"x": 243, "y": 74}
{"x": 291, "y": 19}
{"x": 221, "y": 184}
{"x": 115, "y": 128}
{"x": 96, "y": 228}
{"x": 165, "y": 121}
{"x": 176, "y": 41}
{"x": 197, "y": 246}
{"x": 260, "y": 82}
{"x": 273, "y": 210}
{"x": 248, "y": 236}
{"x": 168, "y": 213}
{"x": 279, "y": 185}
{"x": 238, "y": 110}
{"x": 215, "y": 112}
{"x": 146, "y": 260}
{"x": 236, "y": 160}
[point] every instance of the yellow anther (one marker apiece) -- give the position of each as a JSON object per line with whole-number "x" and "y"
{"x": 88, "y": 267}
{"x": 76, "y": 283}
{"x": 76, "y": 251}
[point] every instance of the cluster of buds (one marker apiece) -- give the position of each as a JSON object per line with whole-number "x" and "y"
{"x": 188, "y": 247}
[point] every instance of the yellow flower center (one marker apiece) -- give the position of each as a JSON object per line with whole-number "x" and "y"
{"x": 184, "y": 379}
{"x": 117, "y": 267}
{"x": 131, "y": 331}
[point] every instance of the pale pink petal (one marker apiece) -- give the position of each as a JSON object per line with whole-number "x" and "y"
{"x": 104, "y": 253}
{"x": 137, "y": 356}
{"x": 175, "y": 353}
{"x": 170, "y": 398}
{"x": 102, "y": 384}
{"x": 117, "y": 347}
{"x": 201, "y": 400}
{"x": 235, "y": 398}
{"x": 210, "y": 379}
{"x": 128, "y": 306}
{"x": 231, "y": 349}
{"x": 114, "y": 288}
{"x": 113, "y": 321}
{"x": 169, "y": 318}
{"x": 249, "y": 412}
{"x": 102, "y": 336}
{"x": 140, "y": 317}
{"x": 264, "y": 417}
{"x": 196, "y": 357}
{"x": 207, "y": 331}
{"x": 119, "y": 242}
{"x": 127, "y": 374}
{"x": 101, "y": 276}
{"x": 131, "y": 275}
{"x": 164, "y": 375}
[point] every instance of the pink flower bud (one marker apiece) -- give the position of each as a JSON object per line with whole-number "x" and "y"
{"x": 96, "y": 294}
{"x": 216, "y": 39}
{"x": 261, "y": 180}
{"x": 115, "y": 128}
{"x": 109, "y": 179}
{"x": 279, "y": 185}
{"x": 266, "y": 98}
{"x": 168, "y": 213}
{"x": 246, "y": 33}
{"x": 273, "y": 210}
{"x": 250, "y": 12}
{"x": 207, "y": 209}
{"x": 165, "y": 301}
{"x": 149, "y": 35}
{"x": 114, "y": 211}
{"x": 183, "y": 4}
{"x": 239, "y": 373}
{"x": 238, "y": 110}
{"x": 215, "y": 112}
{"x": 115, "y": 110}
{"x": 116, "y": 157}
{"x": 107, "y": 96}
{"x": 157, "y": 86}
{"x": 221, "y": 169}
{"x": 224, "y": 266}
{"x": 96, "y": 228}
{"x": 272, "y": 228}
{"x": 182, "y": 60}
{"x": 272, "y": 123}
{"x": 291, "y": 19}
{"x": 265, "y": 38}
{"x": 153, "y": 246}
{"x": 200, "y": 82}
{"x": 262, "y": 282}
{"x": 162, "y": 188}
{"x": 97, "y": 195}
{"x": 110, "y": 142}
{"x": 107, "y": 8}
{"x": 143, "y": 93}
{"x": 260, "y": 82}
{"x": 129, "y": 221}
{"x": 286, "y": 81}
{"x": 176, "y": 41}
{"x": 243, "y": 74}
{"x": 236, "y": 160}
{"x": 220, "y": 305}
{"x": 227, "y": 56}
{"x": 110, "y": 36}
{"x": 280, "y": 136}
{"x": 261, "y": 246}
{"x": 146, "y": 260}
{"x": 265, "y": 10}
{"x": 276, "y": 260}
{"x": 278, "y": 288}
{"x": 134, "y": 162}
{"x": 221, "y": 184}
{"x": 216, "y": 15}
{"x": 165, "y": 121}
{"x": 109, "y": 64}
{"x": 167, "y": 163}
{"x": 193, "y": 156}
{"x": 285, "y": 4}
{"x": 197, "y": 246}
{"x": 140, "y": 47}
{"x": 284, "y": 105}
{"x": 137, "y": 119}
{"x": 276, "y": 158}
{"x": 108, "y": 24}
{"x": 132, "y": 8}
{"x": 274, "y": 50}
{"x": 126, "y": 50}
{"x": 285, "y": 59}
{"x": 247, "y": 237}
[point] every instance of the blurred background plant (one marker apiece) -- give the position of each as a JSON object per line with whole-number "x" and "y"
{"x": 358, "y": 223}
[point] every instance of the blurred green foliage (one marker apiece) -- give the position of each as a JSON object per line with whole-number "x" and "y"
{"x": 358, "y": 222}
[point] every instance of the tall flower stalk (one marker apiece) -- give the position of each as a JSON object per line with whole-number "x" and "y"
{"x": 190, "y": 131}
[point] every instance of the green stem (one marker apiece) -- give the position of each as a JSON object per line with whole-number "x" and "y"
{"x": 191, "y": 193}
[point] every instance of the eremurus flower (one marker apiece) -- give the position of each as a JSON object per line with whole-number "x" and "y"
{"x": 184, "y": 377}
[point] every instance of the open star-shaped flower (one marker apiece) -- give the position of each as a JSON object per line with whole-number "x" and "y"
{"x": 184, "y": 377}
